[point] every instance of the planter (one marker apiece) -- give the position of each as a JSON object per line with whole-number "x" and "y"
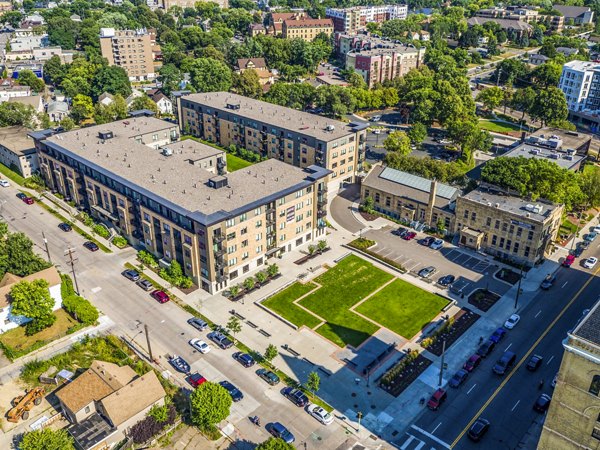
{"x": 462, "y": 322}
{"x": 409, "y": 373}
{"x": 309, "y": 257}
{"x": 483, "y": 299}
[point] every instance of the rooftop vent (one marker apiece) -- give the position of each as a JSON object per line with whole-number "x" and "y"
{"x": 217, "y": 182}
{"x": 167, "y": 151}
{"x": 330, "y": 127}
{"x": 233, "y": 106}
{"x": 105, "y": 134}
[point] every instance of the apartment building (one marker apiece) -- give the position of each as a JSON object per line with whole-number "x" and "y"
{"x": 580, "y": 82}
{"x": 376, "y": 59}
{"x": 528, "y": 14}
{"x": 351, "y": 20}
{"x": 17, "y": 150}
{"x": 294, "y": 137}
{"x": 578, "y": 15}
{"x": 129, "y": 49}
{"x": 276, "y": 20}
{"x": 573, "y": 420}
{"x": 306, "y": 29}
{"x": 136, "y": 177}
{"x": 520, "y": 27}
{"x": 506, "y": 226}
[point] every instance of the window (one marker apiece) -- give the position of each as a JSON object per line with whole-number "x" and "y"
{"x": 504, "y": 226}
{"x": 187, "y": 239}
{"x": 146, "y": 217}
{"x": 259, "y": 249}
{"x": 595, "y": 385}
{"x": 257, "y": 211}
{"x": 232, "y": 262}
{"x": 466, "y": 214}
{"x": 530, "y": 236}
{"x": 244, "y": 256}
{"x": 497, "y": 224}
{"x": 501, "y": 243}
{"x": 243, "y": 230}
{"x": 519, "y": 231}
{"x": 299, "y": 194}
{"x": 473, "y": 216}
{"x": 243, "y": 217}
{"x": 166, "y": 227}
{"x": 494, "y": 239}
{"x": 377, "y": 197}
{"x": 231, "y": 236}
{"x": 230, "y": 222}
{"x": 258, "y": 236}
{"x": 258, "y": 224}
{"x": 245, "y": 243}
{"x": 526, "y": 253}
{"x": 488, "y": 221}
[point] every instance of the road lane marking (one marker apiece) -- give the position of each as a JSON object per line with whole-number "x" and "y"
{"x": 564, "y": 284}
{"x": 516, "y": 404}
{"x": 509, "y": 345}
{"x": 538, "y": 313}
{"x": 407, "y": 442}
{"x": 551, "y": 358}
{"x": 520, "y": 363}
{"x": 435, "y": 429}
{"x": 431, "y": 436}
{"x": 473, "y": 387}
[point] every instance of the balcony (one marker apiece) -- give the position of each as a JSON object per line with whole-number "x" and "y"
{"x": 322, "y": 188}
{"x": 218, "y": 238}
{"x": 321, "y": 213}
{"x": 219, "y": 252}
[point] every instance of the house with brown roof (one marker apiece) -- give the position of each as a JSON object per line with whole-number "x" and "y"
{"x": 105, "y": 401}
{"x": 276, "y": 20}
{"x": 9, "y": 320}
{"x": 259, "y": 65}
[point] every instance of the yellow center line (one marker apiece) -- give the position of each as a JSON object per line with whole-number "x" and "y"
{"x": 535, "y": 344}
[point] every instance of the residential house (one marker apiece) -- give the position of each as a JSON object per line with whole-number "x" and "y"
{"x": 537, "y": 58}
{"x": 35, "y": 101}
{"x": 9, "y": 320}
{"x": 163, "y": 103}
{"x": 306, "y": 29}
{"x": 75, "y": 18}
{"x": 57, "y": 110}
{"x": 256, "y": 28}
{"x": 259, "y": 65}
{"x": 518, "y": 26}
{"x": 9, "y": 90}
{"x": 106, "y": 99}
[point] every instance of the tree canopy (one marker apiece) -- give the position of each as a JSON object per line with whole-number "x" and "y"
{"x": 47, "y": 439}
{"x": 275, "y": 444}
{"x": 33, "y": 300}
{"x": 16, "y": 253}
{"x": 210, "y": 404}
{"x": 398, "y": 141}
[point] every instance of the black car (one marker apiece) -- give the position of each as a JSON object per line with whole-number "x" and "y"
{"x": 458, "y": 378}
{"x": 446, "y": 280}
{"x": 236, "y": 394}
{"x": 400, "y": 231}
{"x": 297, "y": 397}
{"x": 542, "y": 403}
{"x": 578, "y": 251}
{"x": 131, "y": 275}
{"x": 65, "y": 227}
{"x": 91, "y": 246}
{"x": 478, "y": 429}
{"x": 486, "y": 348}
{"x": 244, "y": 359}
{"x": 198, "y": 324}
{"x": 268, "y": 376}
{"x": 426, "y": 241}
{"x": 21, "y": 196}
{"x": 548, "y": 281}
{"x": 534, "y": 363}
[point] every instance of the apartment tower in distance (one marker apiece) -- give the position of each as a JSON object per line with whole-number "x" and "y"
{"x": 294, "y": 137}
{"x": 573, "y": 420}
{"x": 129, "y": 49}
{"x": 177, "y": 200}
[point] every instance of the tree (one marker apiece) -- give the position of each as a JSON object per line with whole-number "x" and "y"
{"x": 143, "y": 102}
{"x": 249, "y": 284}
{"x": 322, "y": 245}
{"x": 275, "y": 443}
{"x": 82, "y": 108}
{"x": 54, "y": 70}
{"x": 234, "y": 325}
{"x": 33, "y": 300}
{"x": 111, "y": 79}
{"x": 28, "y": 78}
{"x": 17, "y": 255}
{"x": 170, "y": 77}
{"x": 417, "y": 133}
{"x": 549, "y": 105}
{"x": 399, "y": 142}
{"x": 247, "y": 84}
{"x": 210, "y": 75}
{"x": 491, "y": 97}
{"x": 81, "y": 309}
{"x": 589, "y": 182}
{"x": 67, "y": 123}
{"x": 47, "y": 439}
{"x": 17, "y": 114}
{"x": 210, "y": 404}
{"x": 547, "y": 74}
{"x": 13, "y": 18}
{"x": 270, "y": 353}
{"x": 272, "y": 270}
{"x": 313, "y": 383}
{"x": 523, "y": 100}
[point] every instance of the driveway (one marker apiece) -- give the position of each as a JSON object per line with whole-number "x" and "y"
{"x": 341, "y": 209}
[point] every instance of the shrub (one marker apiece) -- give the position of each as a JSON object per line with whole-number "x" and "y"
{"x": 66, "y": 286}
{"x": 149, "y": 427}
{"x": 362, "y": 243}
{"x": 101, "y": 230}
{"x": 397, "y": 369}
{"x": 148, "y": 259}
{"x": 273, "y": 270}
{"x": 120, "y": 241}
{"x": 86, "y": 219}
{"x": 261, "y": 277}
{"x": 81, "y": 309}
{"x": 249, "y": 283}
{"x": 40, "y": 323}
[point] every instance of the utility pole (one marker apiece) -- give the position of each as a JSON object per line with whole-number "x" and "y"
{"x": 359, "y": 416}
{"x": 148, "y": 342}
{"x": 69, "y": 252}
{"x": 519, "y": 287}
{"x": 46, "y": 246}
{"x": 442, "y": 366}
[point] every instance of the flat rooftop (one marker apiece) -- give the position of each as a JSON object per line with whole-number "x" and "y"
{"x": 564, "y": 160}
{"x": 174, "y": 178}
{"x": 17, "y": 140}
{"x": 509, "y": 203}
{"x": 589, "y": 328}
{"x": 570, "y": 139}
{"x": 279, "y": 116}
{"x": 91, "y": 431}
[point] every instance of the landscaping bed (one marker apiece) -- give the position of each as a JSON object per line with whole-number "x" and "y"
{"x": 507, "y": 275}
{"x": 483, "y": 299}
{"x": 402, "y": 374}
{"x": 451, "y": 331}
{"x": 363, "y": 245}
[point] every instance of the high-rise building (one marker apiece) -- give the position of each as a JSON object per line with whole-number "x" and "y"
{"x": 580, "y": 82}
{"x": 294, "y": 137}
{"x": 351, "y": 20}
{"x": 573, "y": 420}
{"x": 129, "y": 49}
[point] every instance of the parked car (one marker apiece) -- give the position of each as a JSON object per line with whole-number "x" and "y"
{"x": 505, "y": 363}
{"x": 427, "y": 271}
{"x": 4, "y": 183}
{"x": 131, "y": 274}
{"x": 569, "y": 260}
{"x": 478, "y": 429}
{"x": 426, "y": 241}
{"x": 145, "y": 284}
{"x": 446, "y": 280}
{"x": 244, "y": 359}
{"x": 486, "y": 348}
{"x": 236, "y": 394}
{"x": 28, "y": 200}
{"x": 65, "y": 227}
{"x": 548, "y": 281}
{"x": 578, "y": 251}
{"x": 400, "y": 231}
{"x": 554, "y": 380}
{"x": 281, "y": 432}
{"x": 498, "y": 335}
{"x": 595, "y": 229}
{"x": 160, "y": 296}
{"x": 198, "y": 324}
{"x": 320, "y": 414}
{"x": 377, "y": 131}
{"x": 437, "y": 399}
{"x": 195, "y": 379}
{"x": 590, "y": 237}
{"x": 297, "y": 397}
{"x": 220, "y": 339}
{"x": 200, "y": 345}
{"x": 437, "y": 244}
{"x": 268, "y": 376}
{"x": 591, "y": 262}
{"x": 534, "y": 362}
{"x": 458, "y": 378}
{"x": 512, "y": 321}
{"x": 409, "y": 235}
{"x": 91, "y": 246}
{"x": 375, "y": 118}
{"x": 542, "y": 403}
{"x": 472, "y": 363}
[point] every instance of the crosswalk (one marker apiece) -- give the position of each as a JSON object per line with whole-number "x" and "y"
{"x": 413, "y": 443}
{"x": 417, "y": 439}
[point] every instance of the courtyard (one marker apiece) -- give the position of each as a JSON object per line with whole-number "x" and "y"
{"x": 353, "y": 300}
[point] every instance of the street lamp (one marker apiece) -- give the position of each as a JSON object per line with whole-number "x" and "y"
{"x": 519, "y": 287}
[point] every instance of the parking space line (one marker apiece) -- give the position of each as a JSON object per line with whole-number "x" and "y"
{"x": 538, "y": 313}
{"x": 435, "y": 429}
{"x": 516, "y": 404}
{"x": 509, "y": 345}
{"x": 564, "y": 284}
{"x": 551, "y": 358}
{"x": 472, "y": 387}
{"x": 408, "y": 442}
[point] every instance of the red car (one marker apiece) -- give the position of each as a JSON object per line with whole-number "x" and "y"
{"x": 472, "y": 363}
{"x": 409, "y": 235}
{"x": 160, "y": 296}
{"x": 437, "y": 399}
{"x": 195, "y": 379}
{"x": 28, "y": 200}
{"x": 569, "y": 260}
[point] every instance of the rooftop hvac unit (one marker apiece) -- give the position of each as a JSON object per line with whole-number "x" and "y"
{"x": 167, "y": 151}
{"x": 538, "y": 209}
{"x": 330, "y": 127}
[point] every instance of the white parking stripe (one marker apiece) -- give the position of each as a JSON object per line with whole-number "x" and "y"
{"x": 407, "y": 442}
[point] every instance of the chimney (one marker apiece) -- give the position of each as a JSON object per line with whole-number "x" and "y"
{"x": 431, "y": 203}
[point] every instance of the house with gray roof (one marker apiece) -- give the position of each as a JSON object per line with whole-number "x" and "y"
{"x": 57, "y": 110}
{"x": 580, "y": 15}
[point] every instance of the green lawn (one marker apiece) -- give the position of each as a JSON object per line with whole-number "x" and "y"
{"x": 343, "y": 286}
{"x": 282, "y": 304}
{"x": 403, "y": 308}
{"x": 236, "y": 163}
{"x": 498, "y": 127}
{"x": 11, "y": 174}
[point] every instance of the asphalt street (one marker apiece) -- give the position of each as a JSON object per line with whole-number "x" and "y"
{"x": 99, "y": 279}
{"x": 507, "y": 402}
